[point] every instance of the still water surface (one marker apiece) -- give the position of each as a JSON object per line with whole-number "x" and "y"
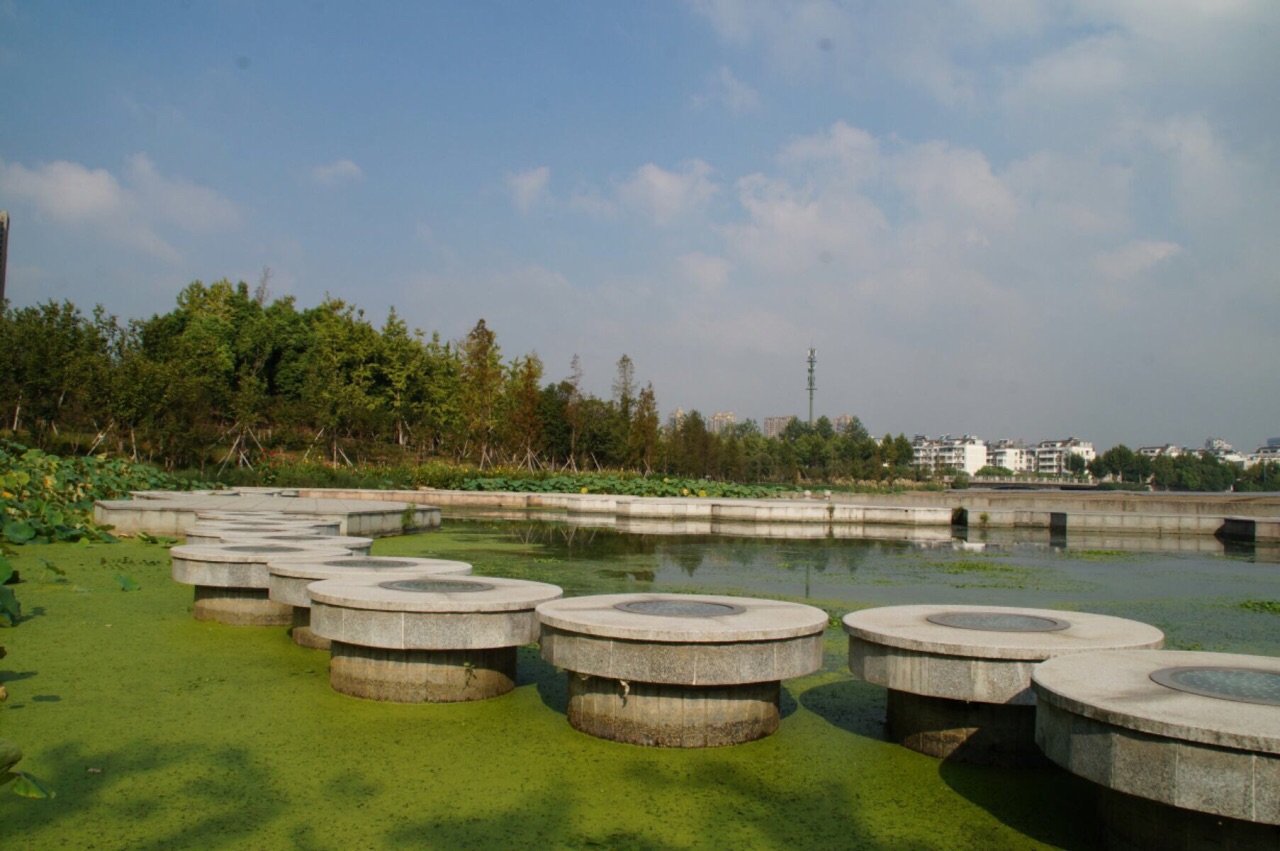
{"x": 1202, "y": 597}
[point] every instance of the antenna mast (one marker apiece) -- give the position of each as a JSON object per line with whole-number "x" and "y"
{"x": 813, "y": 360}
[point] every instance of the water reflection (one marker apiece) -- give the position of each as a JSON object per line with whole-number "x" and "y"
{"x": 1201, "y": 594}
{"x": 958, "y": 538}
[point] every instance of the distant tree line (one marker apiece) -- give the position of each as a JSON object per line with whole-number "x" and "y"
{"x": 1189, "y": 471}
{"x": 229, "y": 376}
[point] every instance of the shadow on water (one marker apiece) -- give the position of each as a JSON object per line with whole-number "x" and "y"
{"x": 225, "y": 792}
{"x": 541, "y": 818}
{"x": 852, "y": 705}
{"x": 15, "y": 676}
{"x": 1047, "y": 803}
{"x": 549, "y": 681}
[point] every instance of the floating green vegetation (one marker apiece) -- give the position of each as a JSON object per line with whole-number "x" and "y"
{"x": 246, "y": 745}
{"x": 1099, "y": 555}
{"x": 1270, "y": 607}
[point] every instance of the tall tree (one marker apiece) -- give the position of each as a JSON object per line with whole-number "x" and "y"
{"x": 481, "y": 387}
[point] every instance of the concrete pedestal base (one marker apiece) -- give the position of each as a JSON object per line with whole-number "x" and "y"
{"x": 239, "y": 607}
{"x": 672, "y": 716}
{"x": 1137, "y": 824}
{"x": 964, "y": 731}
{"x": 302, "y": 634}
{"x": 421, "y": 676}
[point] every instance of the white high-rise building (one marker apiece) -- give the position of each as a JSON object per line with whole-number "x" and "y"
{"x": 1012, "y": 455}
{"x": 967, "y": 453}
{"x": 1051, "y": 455}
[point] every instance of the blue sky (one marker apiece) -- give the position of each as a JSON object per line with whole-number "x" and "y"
{"x": 1012, "y": 219}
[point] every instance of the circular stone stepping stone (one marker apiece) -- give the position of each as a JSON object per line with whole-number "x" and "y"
{"x": 358, "y": 544}
{"x": 211, "y": 532}
{"x": 679, "y": 670}
{"x": 959, "y": 677}
{"x": 288, "y": 581}
{"x": 426, "y": 639}
{"x": 211, "y": 535}
{"x": 231, "y": 579}
{"x": 1185, "y": 743}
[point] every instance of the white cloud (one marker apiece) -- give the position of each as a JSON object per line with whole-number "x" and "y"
{"x": 666, "y": 196}
{"x": 592, "y": 203}
{"x": 1093, "y": 67}
{"x": 132, "y": 213}
{"x": 728, "y": 91}
{"x": 336, "y": 172}
{"x": 707, "y": 273}
{"x": 192, "y": 207}
{"x": 1135, "y": 258}
{"x": 528, "y": 188}
{"x": 68, "y": 192}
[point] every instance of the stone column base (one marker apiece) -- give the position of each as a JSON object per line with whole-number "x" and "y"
{"x": 672, "y": 716}
{"x": 421, "y": 676}
{"x": 1000, "y": 734}
{"x": 240, "y": 607}
{"x": 1134, "y": 823}
{"x": 302, "y": 634}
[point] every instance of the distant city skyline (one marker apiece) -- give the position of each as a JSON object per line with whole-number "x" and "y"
{"x": 1026, "y": 220}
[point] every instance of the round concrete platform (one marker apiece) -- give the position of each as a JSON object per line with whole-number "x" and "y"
{"x": 679, "y": 670}
{"x": 211, "y": 536}
{"x": 288, "y": 581}
{"x": 959, "y": 677}
{"x": 358, "y": 544}
{"x": 1187, "y": 743}
{"x": 426, "y": 639}
{"x": 210, "y": 533}
{"x": 231, "y": 579}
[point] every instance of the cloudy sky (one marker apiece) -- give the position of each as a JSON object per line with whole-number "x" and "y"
{"x": 1012, "y": 219}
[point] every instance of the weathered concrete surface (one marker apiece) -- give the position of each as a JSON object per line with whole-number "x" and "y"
{"x": 943, "y": 680}
{"x": 421, "y": 676}
{"x": 1155, "y": 514}
{"x": 679, "y": 680}
{"x": 231, "y": 580}
{"x": 453, "y": 642}
{"x": 656, "y": 715}
{"x": 1001, "y": 734}
{"x": 171, "y": 514}
{"x": 1102, "y": 717}
{"x": 287, "y": 582}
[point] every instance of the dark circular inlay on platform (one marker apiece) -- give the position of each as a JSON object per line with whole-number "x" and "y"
{"x": 369, "y": 562}
{"x": 680, "y": 608}
{"x": 998, "y": 622}
{"x": 423, "y": 586}
{"x": 265, "y": 548}
{"x": 1246, "y": 685}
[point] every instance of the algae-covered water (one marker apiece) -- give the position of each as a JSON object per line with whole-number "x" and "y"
{"x": 160, "y": 732}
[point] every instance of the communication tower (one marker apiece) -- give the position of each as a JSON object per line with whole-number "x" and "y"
{"x": 813, "y": 360}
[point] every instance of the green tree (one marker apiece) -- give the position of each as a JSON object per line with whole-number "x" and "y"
{"x": 481, "y": 387}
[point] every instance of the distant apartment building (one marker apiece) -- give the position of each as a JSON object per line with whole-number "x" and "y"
{"x": 775, "y": 426}
{"x": 844, "y": 422}
{"x": 967, "y": 453}
{"x": 1051, "y": 455}
{"x": 1169, "y": 450}
{"x": 1012, "y": 455}
{"x": 721, "y": 422}
{"x": 1223, "y": 451}
{"x": 1270, "y": 453}
{"x": 676, "y": 419}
